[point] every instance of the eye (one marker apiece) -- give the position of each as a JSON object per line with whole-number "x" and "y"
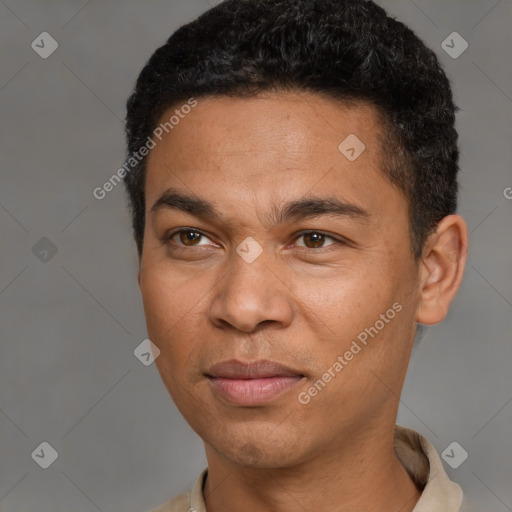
{"x": 315, "y": 239}
{"x": 186, "y": 237}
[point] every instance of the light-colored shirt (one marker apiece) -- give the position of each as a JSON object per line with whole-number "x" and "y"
{"x": 415, "y": 452}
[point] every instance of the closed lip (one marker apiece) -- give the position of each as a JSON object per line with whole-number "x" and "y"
{"x": 261, "y": 369}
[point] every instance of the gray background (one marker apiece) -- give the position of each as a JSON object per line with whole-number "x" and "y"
{"x": 71, "y": 321}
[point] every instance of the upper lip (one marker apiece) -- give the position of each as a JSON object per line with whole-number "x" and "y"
{"x": 234, "y": 369}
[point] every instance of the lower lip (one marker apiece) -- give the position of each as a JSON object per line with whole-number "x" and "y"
{"x": 253, "y": 391}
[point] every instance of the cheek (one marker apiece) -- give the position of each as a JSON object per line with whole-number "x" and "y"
{"x": 174, "y": 313}
{"x": 344, "y": 314}
{"x": 171, "y": 307}
{"x": 343, "y": 301}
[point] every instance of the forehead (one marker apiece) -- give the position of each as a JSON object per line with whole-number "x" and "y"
{"x": 297, "y": 121}
{"x": 273, "y": 146}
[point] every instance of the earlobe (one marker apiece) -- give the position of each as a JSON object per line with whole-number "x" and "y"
{"x": 442, "y": 269}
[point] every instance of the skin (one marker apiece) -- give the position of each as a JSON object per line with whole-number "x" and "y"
{"x": 301, "y": 302}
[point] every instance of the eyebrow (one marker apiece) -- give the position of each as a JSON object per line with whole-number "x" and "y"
{"x": 303, "y": 208}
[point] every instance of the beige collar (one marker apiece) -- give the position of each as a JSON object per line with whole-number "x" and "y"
{"x": 420, "y": 459}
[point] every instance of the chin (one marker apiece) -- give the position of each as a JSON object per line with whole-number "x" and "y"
{"x": 254, "y": 456}
{"x": 257, "y": 449}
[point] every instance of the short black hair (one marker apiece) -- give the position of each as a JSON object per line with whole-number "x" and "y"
{"x": 348, "y": 50}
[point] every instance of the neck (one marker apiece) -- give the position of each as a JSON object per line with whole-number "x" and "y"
{"x": 362, "y": 474}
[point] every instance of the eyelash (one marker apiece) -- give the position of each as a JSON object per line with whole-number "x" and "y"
{"x": 167, "y": 239}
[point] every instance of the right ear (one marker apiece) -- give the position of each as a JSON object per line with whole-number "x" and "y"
{"x": 443, "y": 266}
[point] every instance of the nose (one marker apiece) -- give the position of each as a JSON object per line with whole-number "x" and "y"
{"x": 252, "y": 294}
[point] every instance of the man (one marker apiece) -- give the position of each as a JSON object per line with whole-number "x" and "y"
{"x": 293, "y": 199}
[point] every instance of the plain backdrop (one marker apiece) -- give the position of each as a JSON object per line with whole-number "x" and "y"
{"x": 70, "y": 311}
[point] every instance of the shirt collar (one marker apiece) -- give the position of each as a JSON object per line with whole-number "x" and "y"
{"x": 420, "y": 459}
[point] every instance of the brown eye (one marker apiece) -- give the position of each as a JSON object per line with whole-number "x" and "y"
{"x": 189, "y": 242}
{"x": 189, "y": 237}
{"x": 314, "y": 240}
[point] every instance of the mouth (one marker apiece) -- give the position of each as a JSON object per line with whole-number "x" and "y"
{"x": 253, "y": 383}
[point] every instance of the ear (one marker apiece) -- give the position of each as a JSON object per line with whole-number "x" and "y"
{"x": 441, "y": 269}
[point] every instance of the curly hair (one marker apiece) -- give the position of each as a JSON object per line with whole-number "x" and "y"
{"x": 347, "y": 50}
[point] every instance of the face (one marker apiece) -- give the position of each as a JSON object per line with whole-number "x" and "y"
{"x": 267, "y": 244}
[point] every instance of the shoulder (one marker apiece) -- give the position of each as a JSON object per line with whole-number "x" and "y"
{"x": 191, "y": 501}
{"x": 179, "y": 503}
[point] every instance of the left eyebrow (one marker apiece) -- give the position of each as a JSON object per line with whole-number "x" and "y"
{"x": 316, "y": 206}
{"x": 303, "y": 208}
